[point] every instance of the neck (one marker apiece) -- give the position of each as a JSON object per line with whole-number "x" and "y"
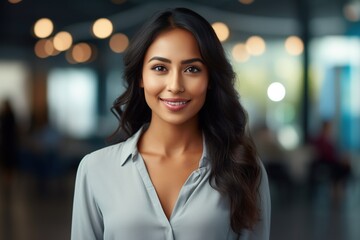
{"x": 170, "y": 139}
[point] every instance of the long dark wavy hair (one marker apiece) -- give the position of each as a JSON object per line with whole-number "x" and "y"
{"x": 235, "y": 170}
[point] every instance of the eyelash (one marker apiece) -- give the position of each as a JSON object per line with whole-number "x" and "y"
{"x": 191, "y": 69}
{"x": 156, "y": 68}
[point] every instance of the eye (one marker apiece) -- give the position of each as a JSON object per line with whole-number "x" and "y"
{"x": 192, "y": 69}
{"x": 159, "y": 68}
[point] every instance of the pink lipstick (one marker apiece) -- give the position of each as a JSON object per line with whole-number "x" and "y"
{"x": 175, "y": 104}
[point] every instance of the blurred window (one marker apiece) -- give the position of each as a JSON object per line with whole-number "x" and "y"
{"x": 13, "y": 86}
{"x": 72, "y": 95}
{"x": 335, "y": 65}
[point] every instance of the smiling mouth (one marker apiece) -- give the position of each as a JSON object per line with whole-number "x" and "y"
{"x": 175, "y": 104}
{"x": 175, "y": 101}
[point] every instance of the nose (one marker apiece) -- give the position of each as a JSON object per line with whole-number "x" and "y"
{"x": 175, "y": 83}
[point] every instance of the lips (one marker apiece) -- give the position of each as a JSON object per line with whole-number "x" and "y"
{"x": 175, "y": 104}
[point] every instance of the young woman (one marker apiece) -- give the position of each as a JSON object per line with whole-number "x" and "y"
{"x": 185, "y": 168}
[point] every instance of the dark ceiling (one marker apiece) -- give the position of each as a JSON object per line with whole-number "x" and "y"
{"x": 267, "y": 17}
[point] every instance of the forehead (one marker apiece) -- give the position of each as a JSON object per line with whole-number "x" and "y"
{"x": 174, "y": 43}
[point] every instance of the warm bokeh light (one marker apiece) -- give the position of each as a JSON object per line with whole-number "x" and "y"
{"x": 43, "y": 28}
{"x": 240, "y": 53}
{"x": 246, "y": 1}
{"x": 222, "y": 31}
{"x": 81, "y": 52}
{"x": 255, "y": 45}
{"x": 44, "y": 48}
{"x": 62, "y": 41}
{"x": 351, "y": 11}
{"x": 49, "y": 48}
{"x": 119, "y": 42}
{"x": 276, "y": 92}
{"x": 69, "y": 57}
{"x": 294, "y": 45}
{"x": 39, "y": 49}
{"x": 14, "y": 1}
{"x": 102, "y": 28}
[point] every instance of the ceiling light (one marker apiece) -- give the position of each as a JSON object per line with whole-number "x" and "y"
{"x": 102, "y": 28}
{"x": 222, "y": 31}
{"x": 62, "y": 41}
{"x": 43, "y": 28}
{"x": 294, "y": 45}
{"x": 119, "y": 42}
{"x": 246, "y": 2}
{"x": 255, "y": 45}
{"x": 240, "y": 53}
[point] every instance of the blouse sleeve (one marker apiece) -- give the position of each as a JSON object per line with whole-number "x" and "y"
{"x": 87, "y": 222}
{"x": 261, "y": 230}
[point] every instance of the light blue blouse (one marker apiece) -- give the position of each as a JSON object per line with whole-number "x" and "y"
{"x": 115, "y": 199}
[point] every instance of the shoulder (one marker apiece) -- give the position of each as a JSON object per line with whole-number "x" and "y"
{"x": 109, "y": 159}
{"x": 265, "y": 199}
{"x": 264, "y": 182}
{"x": 263, "y": 172}
{"x": 102, "y": 159}
{"x": 106, "y": 153}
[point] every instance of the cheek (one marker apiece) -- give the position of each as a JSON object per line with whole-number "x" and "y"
{"x": 200, "y": 87}
{"x": 151, "y": 86}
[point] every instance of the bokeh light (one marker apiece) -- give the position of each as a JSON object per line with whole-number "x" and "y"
{"x": 102, "y": 28}
{"x": 246, "y": 2}
{"x": 240, "y": 53}
{"x": 119, "y": 42}
{"x": 49, "y": 48}
{"x": 222, "y": 31}
{"x": 294, "y": 45}
{"x": 43, "y": 28}
{"x": 39, "y": 49}
{"x": 351, "y": 11}
{"x": 62, "y": 41}
{"x": 255, "y": 45}
{"x": 14, "y": 1}
{"x": 81, "y": 52}
{"x": 288, "y": 137}
{"x": 276, "y": 92}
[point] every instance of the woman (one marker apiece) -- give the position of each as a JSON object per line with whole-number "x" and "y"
{"x": 186, "y": 168}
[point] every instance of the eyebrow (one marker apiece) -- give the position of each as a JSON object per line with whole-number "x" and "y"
{"x": 187, "y": 61}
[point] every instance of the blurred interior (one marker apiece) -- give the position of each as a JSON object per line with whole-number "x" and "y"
{"x": 298, "y": 70}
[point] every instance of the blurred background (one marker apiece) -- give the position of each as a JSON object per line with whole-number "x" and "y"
{"x": 297, "y": 63}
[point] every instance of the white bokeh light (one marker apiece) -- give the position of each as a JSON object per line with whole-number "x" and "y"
{"x": 288, "y": 137}
{"x": 276, "y": 92}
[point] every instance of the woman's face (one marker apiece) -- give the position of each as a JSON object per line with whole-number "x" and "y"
{"x": 174, "y": 77}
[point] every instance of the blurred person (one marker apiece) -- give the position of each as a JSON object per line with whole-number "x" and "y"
{"x": 328, "y": 164}
{"x": 8, "y": 141}
{"x": 272, "y": 155}
{"x": 187, "y": 167}
{"x": 269, "y": 148}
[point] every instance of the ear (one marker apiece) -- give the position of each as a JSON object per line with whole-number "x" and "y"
{"x": 141, "y": 83}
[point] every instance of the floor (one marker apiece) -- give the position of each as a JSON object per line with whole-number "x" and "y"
{"x": 322, "y": 215}
{"x": 31, "y": 210}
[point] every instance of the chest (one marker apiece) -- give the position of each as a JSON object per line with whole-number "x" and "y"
{"x": 132, "y": 204}
{"x": 168, "y": 177}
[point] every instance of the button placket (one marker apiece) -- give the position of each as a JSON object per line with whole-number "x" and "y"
{"x": 140, "y": 165}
